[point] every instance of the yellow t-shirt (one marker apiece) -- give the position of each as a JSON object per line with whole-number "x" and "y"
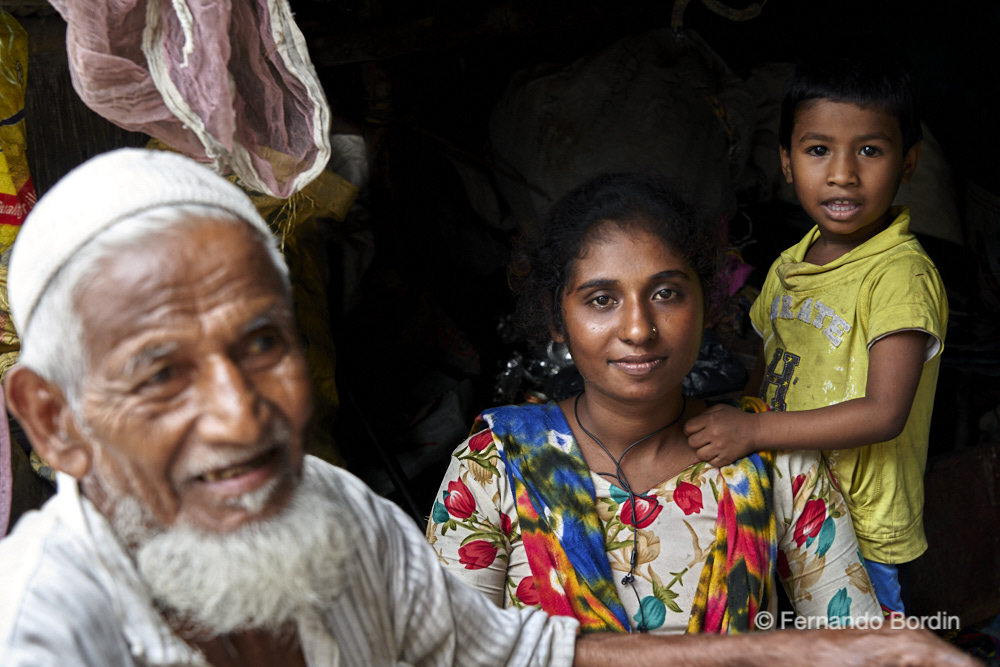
{"x": 818, "y": 323}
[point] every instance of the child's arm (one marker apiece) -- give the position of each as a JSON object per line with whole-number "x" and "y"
{"x": 723, "y": 434}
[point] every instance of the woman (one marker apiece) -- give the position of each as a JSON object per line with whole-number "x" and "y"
{"x": 596, "y": 506}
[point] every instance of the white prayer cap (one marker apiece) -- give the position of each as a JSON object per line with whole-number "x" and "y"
{"x": 107, "y": 189}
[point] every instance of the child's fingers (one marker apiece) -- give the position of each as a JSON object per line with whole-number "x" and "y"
{"x": 694, "y": 425}
{"x": 699, "y": 440}
{"x": 705, "y": 454}
{"x": 717, "y": 460}
{"x": 713, "y": 454}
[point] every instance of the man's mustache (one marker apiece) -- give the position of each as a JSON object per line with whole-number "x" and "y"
{"x": 215, "y": 462}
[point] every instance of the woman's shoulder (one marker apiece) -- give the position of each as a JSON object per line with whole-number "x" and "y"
{"x": 525, "y": 421}
{"x": 520, "y": 411}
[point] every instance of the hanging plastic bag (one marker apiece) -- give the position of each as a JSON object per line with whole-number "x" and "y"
{"x": 17, "y": 193}
{"x": 17, "y": 196}
{"x": 226, "y": 82}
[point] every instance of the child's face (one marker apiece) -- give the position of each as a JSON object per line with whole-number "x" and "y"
{"x": 846, "y": 164}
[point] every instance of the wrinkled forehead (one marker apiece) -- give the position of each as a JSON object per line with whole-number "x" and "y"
{"x": 100, "y": 194}
{"x": 178, "y": 278}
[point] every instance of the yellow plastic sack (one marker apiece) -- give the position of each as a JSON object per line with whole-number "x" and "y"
{"x": 10, "y": 344}
{"x": 17, "y": 193}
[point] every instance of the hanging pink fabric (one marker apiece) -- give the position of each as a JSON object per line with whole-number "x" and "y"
{"x": 6, "y": 474}
{"x": 222, "y": 81}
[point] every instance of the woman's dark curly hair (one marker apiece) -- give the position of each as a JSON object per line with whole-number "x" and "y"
{"x": 540, "y": 271}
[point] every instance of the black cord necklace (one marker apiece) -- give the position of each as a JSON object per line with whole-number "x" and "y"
{"x": 619, "y": 476}
{"x": 618, "y": 462}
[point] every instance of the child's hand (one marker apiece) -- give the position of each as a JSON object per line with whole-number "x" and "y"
{"x": 722, "y": 434}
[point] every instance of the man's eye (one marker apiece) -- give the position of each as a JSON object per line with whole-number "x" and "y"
{"x": 162, "y": 376}
{"x": 165, "y": 381}
{"x": 817, "y": 151}
{"x": 262, "y": 343}
{"x": 263, "y": 348}
{"x": 870, "y": 151}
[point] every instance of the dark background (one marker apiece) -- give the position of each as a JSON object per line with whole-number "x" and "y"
{"x": 418, "y": 79}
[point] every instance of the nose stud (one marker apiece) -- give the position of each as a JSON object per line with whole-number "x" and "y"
{"x": 655, "y": 330}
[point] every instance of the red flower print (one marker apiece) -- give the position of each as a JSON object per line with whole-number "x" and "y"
{"x": 783, "y": 569}
{"x": 646, "y": 510}
{"x": 505, "y": 523}
{"x": 688, "y": 498}
{"x": 477, "y": 555}
{"x": 810, "y": 521}
{"x": 481, "y": 440}
{"x": 527, "y": 593}
{"x": 797, "y": 484}
{"x": 459, "y": 500}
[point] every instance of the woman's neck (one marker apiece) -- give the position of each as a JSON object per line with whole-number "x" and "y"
{"x": 605, "y": 432}
{"x": 619, "y": 424}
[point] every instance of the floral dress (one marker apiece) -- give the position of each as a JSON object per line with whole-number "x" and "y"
{"x": 474, "y": 530}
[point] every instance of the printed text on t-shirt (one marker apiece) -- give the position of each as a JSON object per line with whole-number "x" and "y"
{"x": 815, "y": 313}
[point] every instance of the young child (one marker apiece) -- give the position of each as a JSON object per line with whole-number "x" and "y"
{"x": 853, "y": 317}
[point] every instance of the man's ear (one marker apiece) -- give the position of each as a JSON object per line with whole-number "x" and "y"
{"x": 786, "y": 163}
{"x": 910, "y": 162}
{"x": 45, "y": 415}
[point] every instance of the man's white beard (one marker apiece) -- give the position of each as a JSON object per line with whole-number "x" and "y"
{"x": 258, "y": 576}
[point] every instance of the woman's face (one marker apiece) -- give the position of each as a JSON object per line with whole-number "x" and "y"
{"x": 633, "y": 315}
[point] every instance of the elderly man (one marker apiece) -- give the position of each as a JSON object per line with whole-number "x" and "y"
{"x": 161, "y": 375}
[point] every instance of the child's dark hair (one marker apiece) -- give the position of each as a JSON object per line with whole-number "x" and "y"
{"x": 868, "y": 76}
{"x": 630, "y": 200}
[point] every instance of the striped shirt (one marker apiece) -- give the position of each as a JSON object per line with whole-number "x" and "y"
{"x": 69, "y": 594}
